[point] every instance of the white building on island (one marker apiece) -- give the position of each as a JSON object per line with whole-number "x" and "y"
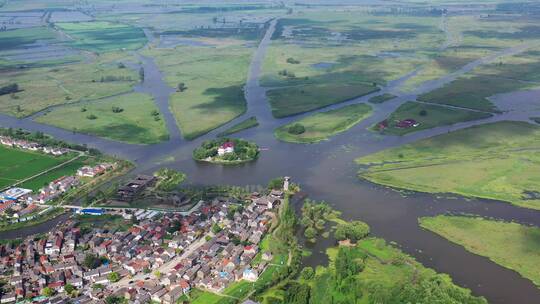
{"x": 227, "y": 147}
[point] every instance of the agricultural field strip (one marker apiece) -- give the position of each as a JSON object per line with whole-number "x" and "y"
{"x": 81, "y": 154}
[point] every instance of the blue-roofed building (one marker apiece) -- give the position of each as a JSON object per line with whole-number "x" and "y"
{"x": 91, "y": 211}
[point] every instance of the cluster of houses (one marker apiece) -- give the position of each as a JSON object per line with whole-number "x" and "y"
{"x": 24, "y": 201}
{"x": 158, "y": 259}
{"x": 31, "y": 146}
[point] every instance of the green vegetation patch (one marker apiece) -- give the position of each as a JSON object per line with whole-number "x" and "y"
{"x": 426, "y": 116}
{"x": 506, "y": 74}
{"x": 305, "y": 98}
{"x": 39, "y": 182}
{"x": 107, "y": 221}
{"x": 101, "y": 36}
{"x": 244, "y": 125}
{"x": 226, "y": 151}
{"x": 382, "y": 98}
{"x": 214, "y": 79}
{"x": 497, "y": 161}
{"x": 510, "y": 245}
{"x": 472, "y": 92}
{"x": 14, "y": 39}
{"x": 16, "y": 164}
{"x": 43, "y": 87}
{"x": 387, "y": 275}
{"x": 131, "y": 118}
{"x": 323, "y": 125}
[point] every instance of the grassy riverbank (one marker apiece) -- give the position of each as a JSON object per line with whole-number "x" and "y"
{"x": 497, "y": 161}
{"x": 241, "y": 126}
{"x": 305, "y": 98}
{"x": 131, "y": 118}
{"x": 323, "y": 125}
{"x": 382, "y": 98}
{"x": 387, "y": 275}
{"x": 428, "y": 116}
{"x": 510, "y": 245}
{"x": 49, "y": 215}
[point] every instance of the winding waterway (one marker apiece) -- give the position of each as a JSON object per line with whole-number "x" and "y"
{"x": 327, "y": 172}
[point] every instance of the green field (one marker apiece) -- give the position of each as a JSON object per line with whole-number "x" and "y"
{"x": 14, "y": 39}
{"x": 305, "y": 98}
{"x": 506, "y": 74}
{"x": 381, "y": 98}
{"x": 69, "y": 169}
{"x": 244, "y": 125}
{"x": 138, "y": 122}
{"x": 48, "y": 86}
{"x": 446, "y": 62}
{"x": 16, "y": 165}
{"x": 510, "y": 245}
{"x": 323, "y": 125}
{"x": 472, "y": 92}
{"x": 214, "y": 78}
{"x": 497, "y": 161}
{"x": 100, "y": 36}
{"x": 428, "y": 116}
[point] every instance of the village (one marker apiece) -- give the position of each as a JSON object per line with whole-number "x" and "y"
{"x": 153, "y": 257}
{"x": 22, "y": 204}
{"x": 19, "y": 204}
{"x": 32, "y": 146}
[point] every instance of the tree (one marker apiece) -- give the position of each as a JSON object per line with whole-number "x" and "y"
{"x": 116, "y": 109}
{"x": 297, "y": 129}
{"x": 91, "y": 261}
{"x": 91, "y": 117}
{"x": 296, "y": 293}
{"x": 353, "y": 231}
{"x": 98, "y": 286}
{"x": 9, "y": 89}
{"x": 307, "y": 273}
{"x": 169, "y": 179}
{"x": 216, "y": 229}
{"x": 47, "y": 292}
{"x": 69, "y": 289}
{"x": 113, "y": 277}
{"x": 347, "y": 263}
{"x": 115, "y": 300}
{"x": 310, "y": 233}
{"x": 423, "y": 113}
{"x": 181, "y": 87}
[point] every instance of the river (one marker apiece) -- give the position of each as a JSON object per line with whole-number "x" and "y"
{"x": 327, "y": 172}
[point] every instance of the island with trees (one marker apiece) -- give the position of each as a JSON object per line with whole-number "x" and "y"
{"x": 229, "y": 151}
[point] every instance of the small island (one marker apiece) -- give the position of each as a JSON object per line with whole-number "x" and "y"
{"x": 228, "y": 151}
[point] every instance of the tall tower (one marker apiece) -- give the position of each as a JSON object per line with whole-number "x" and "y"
{"x": 286, "y": 183}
